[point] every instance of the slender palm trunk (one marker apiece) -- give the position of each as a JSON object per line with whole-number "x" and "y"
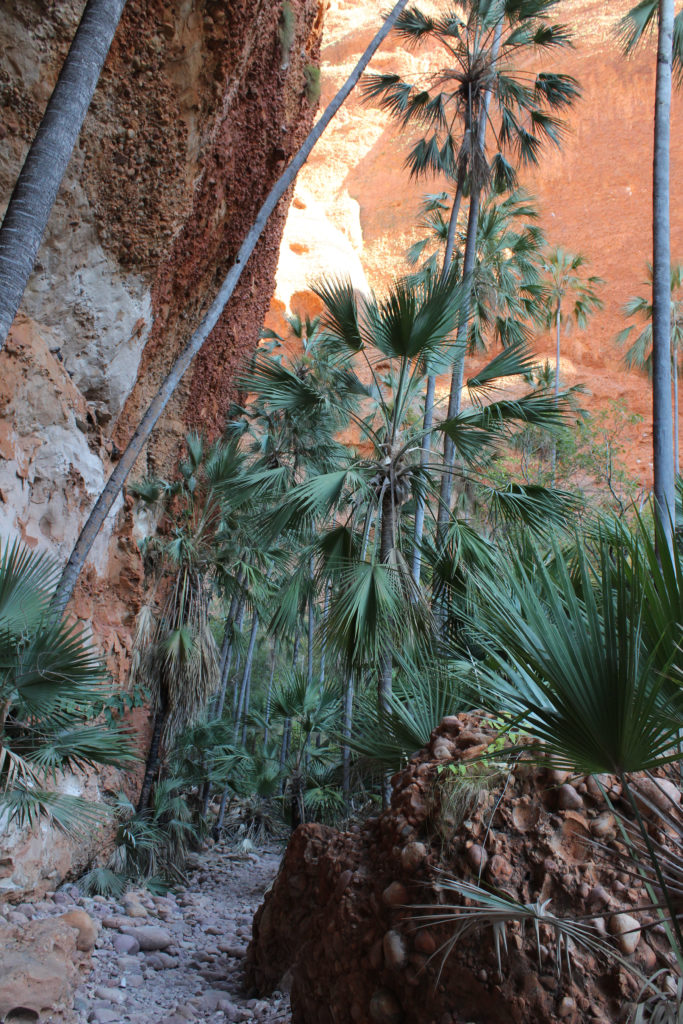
{"x": 128, "y": 458}
{"x": 384, "y": 682}
{"x": 430, "y": 393}
{"x": 38, "y": 183}
{"x": 677, "y": 463}
{"x": 269, "y": 692}
{"x": 558, "y": 326}
{"x": 468, "y": 278}
{"x": 347, "y": 725}
{"x": 662, "y": 427}
{"x": 243, "y": 702}
{"x": 311, "y": 627}
{"x": 153, "y": 756}
{"x": 454, "y": 400}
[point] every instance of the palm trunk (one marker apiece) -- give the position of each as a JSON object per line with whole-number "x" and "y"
{"x": 38, "y": 183}
{"x": 117, "y": 479}
{"x": 454, "y": 400}
{"x": 558, "y": 326}
{"x": 677, "y": 464}
{"x": 431, "y": 391}
{"x": 269, "y": 693}
{"x": 153, "y": 757}
{"x": 347, "y": 725}
{"x": 311, "y": 627}
{"x": 467, "y": 277}
{"x": 243, "y": 704}
{"x": 384, "y": 682}
{"x": 662, "y": 427}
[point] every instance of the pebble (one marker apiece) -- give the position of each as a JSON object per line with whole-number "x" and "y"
{"x": 626, "y": 930}
{"x": 568, "y": 799}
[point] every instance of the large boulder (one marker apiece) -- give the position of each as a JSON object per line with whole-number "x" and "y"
{"x": 339, "y": 921}
{"x": 41, "y": 964}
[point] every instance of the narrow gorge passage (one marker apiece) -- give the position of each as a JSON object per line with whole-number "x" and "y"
{"x": 177, "y": 958}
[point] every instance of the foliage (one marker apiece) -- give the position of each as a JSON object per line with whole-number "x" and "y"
{"x": 286, "y": 31}
{"x": 313, "y": 85}
{"x": 53, "y": 689}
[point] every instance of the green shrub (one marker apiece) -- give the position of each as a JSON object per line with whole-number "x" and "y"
{"x": 312, "y": 86}
{"x": 286, "y": 31}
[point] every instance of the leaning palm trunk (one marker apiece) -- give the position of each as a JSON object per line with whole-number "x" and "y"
{"x": 430, "y": 393}
{"x": 662, "y": 428}
{"x": 117, "y": 479}
{"x": 36, "y": 189}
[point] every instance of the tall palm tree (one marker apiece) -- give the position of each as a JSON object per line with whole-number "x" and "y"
{"x": 36, "y": 189}
{"x": 639, "y": 352}
{"x": 482, "y": 40}
{"x": 112, "y": 488}
{"x": 635, "y": 26}
{"x": 175, "y": 652}
{"x": 569, "y": 298}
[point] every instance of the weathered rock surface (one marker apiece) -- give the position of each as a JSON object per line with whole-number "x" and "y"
{"x": 337, "y": 920}
{"x": 192, "y": 122}
{"x": 41, "y": 966}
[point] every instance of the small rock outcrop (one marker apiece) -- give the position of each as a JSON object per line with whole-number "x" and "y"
{"x": 338, "y": 917}
{"x": 42, "y": 963}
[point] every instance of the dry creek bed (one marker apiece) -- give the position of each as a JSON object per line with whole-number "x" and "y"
{"x": 197, "y": 939}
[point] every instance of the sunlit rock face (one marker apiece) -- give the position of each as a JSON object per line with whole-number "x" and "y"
{"x": 593, "y": 195}
{"x": 196, "y": 115}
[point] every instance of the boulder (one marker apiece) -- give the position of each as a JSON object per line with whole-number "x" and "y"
{"x": 341, "y": 919}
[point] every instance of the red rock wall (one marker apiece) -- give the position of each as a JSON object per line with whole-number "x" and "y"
{"x": 196, "y": 115}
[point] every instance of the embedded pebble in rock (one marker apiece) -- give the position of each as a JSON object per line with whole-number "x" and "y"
{"x": 568, "y": 799}
{"x": 626, "y": 930}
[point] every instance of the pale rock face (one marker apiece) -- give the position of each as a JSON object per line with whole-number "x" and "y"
{"x": 51, "y": 466}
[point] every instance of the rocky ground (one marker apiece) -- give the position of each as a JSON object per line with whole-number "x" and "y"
{"x": 171, "y": 959}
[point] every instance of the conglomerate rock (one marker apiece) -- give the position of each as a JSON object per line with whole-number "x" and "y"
{"x": 338, "y": 917}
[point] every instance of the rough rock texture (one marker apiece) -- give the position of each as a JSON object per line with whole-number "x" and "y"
{"x": 337, "y": 915}
{"x": 593, "y": 194}
{"x": 42, "y": 963}
{"x": 195, "y": 116}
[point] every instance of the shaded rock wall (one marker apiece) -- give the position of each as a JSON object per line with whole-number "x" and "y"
{"x": 338, "y": 918}
{"x": 195, "y": 116}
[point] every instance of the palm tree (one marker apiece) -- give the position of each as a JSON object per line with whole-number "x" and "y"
{"x": 482, "y": 40}
{"x": 53, "y": 690}
{"x": 581, "y": 650}
{"x": 566, "y": 287}
{"x": 669, "y": 58}
{"x": 36, "y": 189}
{"x": 156, "y": 408}
{"x": 175, "y": 652}
{"x": 639, "y": 352}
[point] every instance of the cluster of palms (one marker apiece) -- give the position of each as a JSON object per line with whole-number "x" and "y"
{"x": 316, "y": 607}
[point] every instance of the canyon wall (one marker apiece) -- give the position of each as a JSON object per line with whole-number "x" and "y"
{"x": 197, "y": 112}
{"x": 594, "y": 194}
